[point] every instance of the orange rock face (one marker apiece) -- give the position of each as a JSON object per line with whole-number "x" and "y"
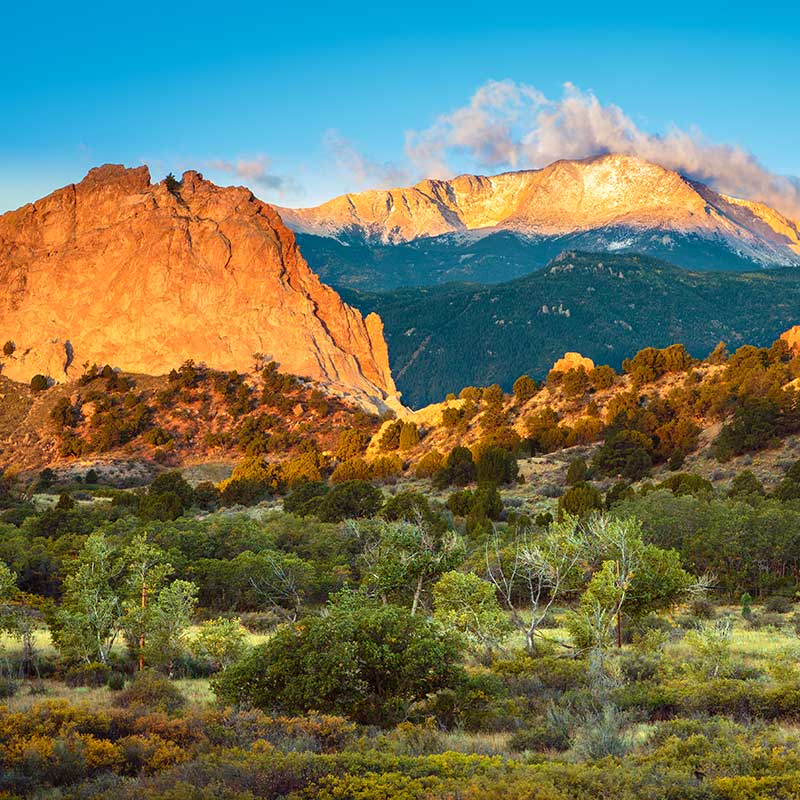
{"x": 573, "y": 361}
{"x": 117, "y": 270}
{"x": 792, "y": 338}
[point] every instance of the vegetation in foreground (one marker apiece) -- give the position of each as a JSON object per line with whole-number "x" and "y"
{"x": 386, "y": 619}
{"x": 409, "y": 648}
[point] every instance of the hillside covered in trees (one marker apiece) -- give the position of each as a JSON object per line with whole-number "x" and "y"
{"x": 192, "y": 414}
{"x": 605, "y": 306}
{"x": 389, "y": 619}
{"x": 585, "y": 587}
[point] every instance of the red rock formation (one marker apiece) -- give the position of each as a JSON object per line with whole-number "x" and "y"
{"x": 573, "y": 361}
{"x": 117, "y": 270}
{"x": 792, "y": 338}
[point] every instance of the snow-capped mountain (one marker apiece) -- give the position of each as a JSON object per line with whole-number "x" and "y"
{"x": 606, "y": 203}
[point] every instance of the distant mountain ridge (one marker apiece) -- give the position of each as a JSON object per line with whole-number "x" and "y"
{"x": 606, "y": 306}
{"x": 609, "y": 203}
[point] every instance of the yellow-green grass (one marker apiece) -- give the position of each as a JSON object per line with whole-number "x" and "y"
{"x": 197, "y": 691}
{"x": 44, "y": 644}
{"x": 28, "y": 695}
{"x": 761, "y": 649}
{"x": 41, "y": 641}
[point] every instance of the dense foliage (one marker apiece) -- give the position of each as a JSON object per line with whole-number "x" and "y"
{"x": 478, "y": 630}
{"x": 606, "y": 307}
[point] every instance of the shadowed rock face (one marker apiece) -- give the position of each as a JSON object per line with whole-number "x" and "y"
{"x": 117, "y": 270}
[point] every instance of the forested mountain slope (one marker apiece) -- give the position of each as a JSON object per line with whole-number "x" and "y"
{"x": 604, "y": 306}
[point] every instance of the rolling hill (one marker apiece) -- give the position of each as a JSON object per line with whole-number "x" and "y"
{"x": 605, "y": 306}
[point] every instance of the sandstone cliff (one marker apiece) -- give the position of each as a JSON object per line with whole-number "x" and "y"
{"x": 143, "y": 276}
{"x": 792, "y": 338}
{"x": 572, "y": 361}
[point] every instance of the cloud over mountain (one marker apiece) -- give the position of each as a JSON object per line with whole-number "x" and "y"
{"x": 367, "y": 173}
{"x": 514, "y": 125}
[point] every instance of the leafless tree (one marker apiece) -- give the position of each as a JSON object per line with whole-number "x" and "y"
{"x": 533, "y": 570}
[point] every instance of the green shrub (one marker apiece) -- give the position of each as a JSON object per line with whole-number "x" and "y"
{"x": 207, "y": 496}
{"x": 362, "y": 659}
{"x": 657, "y": 700}
{"x": 116, "y": 681}
{"x": 163, "y": 506}
{"x": 625, "y": 453}
{"x": 786, "y": 490}
{"x": 386, "y": 468}
{"x": 524, "y": 388}
{"x": 575, "y": 382}
{"x": 496, "y": 465}
{"x": 603, "y": 734}
{"x": 577, "y": 472}
{"x": 151, "y": 692}
{"x": 173, "y": 482}
{"x": 547, "y": 671}
{"x": 354, "y": 469}
{"x": 244, "y": 492}
{"x": 390, "y": 438}
{"x": 778, "y": 604}
{"x": 539, "y": 738}
{"x": 754, "y": 426}
{"x": 296, "y": 501}
{"x": 746, "y": 486}
{"x": 703, "y": 608}
{"x": 410, "y": 506}
{"x": 484, "y": 502}
{"x": 352, "y": 443}
{"x": 429, "y": 464}
{"x": 687, "y": 483}
{"x": 157, "y": 437}
{"x": 621, "y": 490}
{"x": 579, "y": 500}
{"x": 602, "y": 377}
{"x": 8, "y": 687}
{"x": 94, "y": 674}
{"x": 459, "y": 469}
{"x": 646, "y": 366}
{"x": 353, "y": 499}
{"x": 409, "y": 436}
{"x": 766, "y": 620}
{"x": 39, "y": 383}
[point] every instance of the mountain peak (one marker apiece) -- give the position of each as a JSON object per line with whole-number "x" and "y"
{"x": 604, "y": 192}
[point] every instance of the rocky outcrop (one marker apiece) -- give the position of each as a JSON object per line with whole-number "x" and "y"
{"x": 792, "y": 338}
{"x": 573, "y": 361}
{"x": 622, "y": 196}
{"x": 143, "y": 276}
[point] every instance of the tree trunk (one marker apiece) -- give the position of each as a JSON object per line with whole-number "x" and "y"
{"x": 530, "y": 642}
{"x": 417, "y": 593}
{"x": 141, "y": 630}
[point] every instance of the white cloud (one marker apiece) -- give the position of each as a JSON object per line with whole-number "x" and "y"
{"x": 512, "y": 125}
{"x": 255, "y": 170}
{"x": 365, "y": 172}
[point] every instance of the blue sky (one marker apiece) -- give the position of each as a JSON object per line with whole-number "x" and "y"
{"x": 304, "y": 101}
